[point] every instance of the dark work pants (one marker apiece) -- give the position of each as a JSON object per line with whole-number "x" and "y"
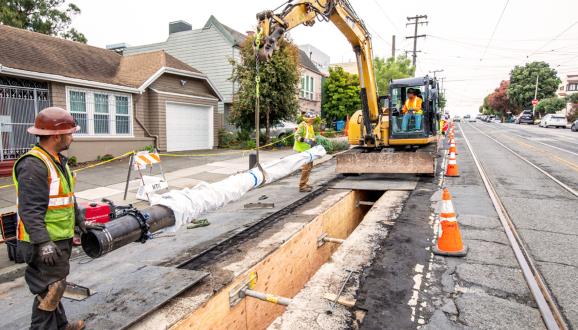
{"x": 39, "y": 276}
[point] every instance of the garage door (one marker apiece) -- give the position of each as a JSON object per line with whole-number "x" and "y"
{"x": 189, "y": 127}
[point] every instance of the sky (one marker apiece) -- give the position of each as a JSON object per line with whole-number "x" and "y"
{"x": 475, "y": 43}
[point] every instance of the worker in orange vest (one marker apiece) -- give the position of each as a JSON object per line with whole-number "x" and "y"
{"x": 412, "y": 108}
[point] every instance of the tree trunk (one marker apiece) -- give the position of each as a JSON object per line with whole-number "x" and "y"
{"x": 267, "y": 128}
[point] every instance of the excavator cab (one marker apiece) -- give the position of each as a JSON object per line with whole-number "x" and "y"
{"x": 417, "y": 126}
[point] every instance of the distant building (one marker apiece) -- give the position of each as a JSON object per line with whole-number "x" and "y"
{"x": 350, "y": 67}
{"x": 568, "y": 87}
{"x": 319, "y": 58}
{"x": 310, "y": 86}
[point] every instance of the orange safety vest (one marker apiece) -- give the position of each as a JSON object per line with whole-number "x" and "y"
{"x": 415, "y": 105}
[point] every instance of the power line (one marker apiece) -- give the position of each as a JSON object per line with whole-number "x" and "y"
{"x": 387, "y": 16}
{"x": 556, "y": 37}
{"x": 495, "y": 28}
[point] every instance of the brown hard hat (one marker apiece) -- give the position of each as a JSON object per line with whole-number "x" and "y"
{"x": 53, "y": 121}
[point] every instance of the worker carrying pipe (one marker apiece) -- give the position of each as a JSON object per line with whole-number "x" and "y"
{"x": 304, "y": 140}
{"x": 46, "y": 216}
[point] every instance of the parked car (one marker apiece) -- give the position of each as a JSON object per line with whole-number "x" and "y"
{"x": 525, "y": 117}
{"x": 553, "y": 120}
{"x": 574, "y": 126}
{"x": 472, "y": 119}
{"x": 283, "y": 128}
{"x": 496, "y": 120}
{"x": 466, "y": 117}
{"x": 457, "y": 118}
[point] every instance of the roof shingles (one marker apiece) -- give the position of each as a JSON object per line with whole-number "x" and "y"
{"x": 31, "y": 51}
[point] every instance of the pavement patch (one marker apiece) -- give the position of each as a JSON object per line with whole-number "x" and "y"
{"x": 500, "y": 281}
{"x": 482, "y": 311}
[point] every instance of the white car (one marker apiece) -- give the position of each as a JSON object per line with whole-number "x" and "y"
{"x": 553, "y": 120}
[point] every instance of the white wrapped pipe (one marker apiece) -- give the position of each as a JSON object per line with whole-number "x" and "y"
{"x": 187, "y": 204}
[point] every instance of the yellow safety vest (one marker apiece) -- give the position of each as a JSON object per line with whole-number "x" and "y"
{"x": 303, "y": 131}
{"x": 59, "y": 217}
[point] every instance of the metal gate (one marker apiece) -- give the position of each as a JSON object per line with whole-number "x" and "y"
{"x": 20, "y": 101}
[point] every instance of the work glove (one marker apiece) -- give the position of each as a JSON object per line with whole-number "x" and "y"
{"x": 48, "y": 253}
{"x": 85, "y": 226}
{"x": 311, "y": 143}
{"x": 301, "y": 139}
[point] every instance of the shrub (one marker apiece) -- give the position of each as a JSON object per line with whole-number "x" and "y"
{"x": 226, "y": 138}
{"x": 243, "y": 135}
{"x": 106, "y": 157}
{"x": 250, "y": 144}
{"x": 149, "y": 148}
{"x": 340, "y": 145}
{"x": 327, "y": 144}
{"x": 329, "y": 133}
{"x": 72, "y": 161}
{"x": 289, "y": 141}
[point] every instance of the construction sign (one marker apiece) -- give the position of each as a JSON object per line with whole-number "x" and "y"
{"x": 150, "y": 183}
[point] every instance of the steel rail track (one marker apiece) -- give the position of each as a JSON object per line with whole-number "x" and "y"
{"x": 562, "y": 184}
{"x": 548, "y": 307}
{"x": 540, "y": 142}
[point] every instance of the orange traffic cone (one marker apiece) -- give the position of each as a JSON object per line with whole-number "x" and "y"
{"x": 453, "y": 147}
{"x": 452, "y": 169}
{"x": 449, "y": 243}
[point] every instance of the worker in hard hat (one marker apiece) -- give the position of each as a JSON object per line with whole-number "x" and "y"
{"x": 304, "y": 140}
{"x": 46, "y": 216}
{"x": 412, "y": 108}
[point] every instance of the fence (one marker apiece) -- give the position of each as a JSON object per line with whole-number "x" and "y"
{"x": 20, "y": 101}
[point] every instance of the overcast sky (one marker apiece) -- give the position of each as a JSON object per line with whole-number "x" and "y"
{"x": 459, "y": 34}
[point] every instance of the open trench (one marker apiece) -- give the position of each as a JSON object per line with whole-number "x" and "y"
{"x": 281, "y": 259}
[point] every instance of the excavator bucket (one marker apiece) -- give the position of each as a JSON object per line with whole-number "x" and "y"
{"x": 359, "y": 161}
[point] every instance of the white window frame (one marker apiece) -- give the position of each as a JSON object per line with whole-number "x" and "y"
{"x": 307, "y": 89}
{"x": 90, "y": 111}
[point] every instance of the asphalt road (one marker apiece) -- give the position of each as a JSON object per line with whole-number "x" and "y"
{"x": 544, "y": 213}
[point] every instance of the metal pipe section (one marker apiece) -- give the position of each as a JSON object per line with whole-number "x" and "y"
{"x": 267, "y": 297}
{"x": 333, "y": 240}
{"x": 125, "y": 230}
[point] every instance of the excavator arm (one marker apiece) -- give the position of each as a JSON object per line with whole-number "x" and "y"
{"x": 272, "y": 26}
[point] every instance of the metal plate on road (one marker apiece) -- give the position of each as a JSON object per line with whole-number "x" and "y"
{"x": 378, "y": 182}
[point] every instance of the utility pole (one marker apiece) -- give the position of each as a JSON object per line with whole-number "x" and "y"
{"x": 436, "y": 71}
{"x": 416, "y": 21}
{"x": 535, "y": 97}
{"x": 393, "y": 46}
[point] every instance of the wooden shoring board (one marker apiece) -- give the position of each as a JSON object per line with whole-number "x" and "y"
{"x": 284, "y": 272}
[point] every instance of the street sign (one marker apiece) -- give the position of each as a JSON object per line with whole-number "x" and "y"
{"x": 534, "y": 102}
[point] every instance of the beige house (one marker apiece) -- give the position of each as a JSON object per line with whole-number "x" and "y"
{"x": 121, "y": 103}
{"x": 310, "y": 85}
{"x": 568, "y": 87}
{"x": 350, "y": 67}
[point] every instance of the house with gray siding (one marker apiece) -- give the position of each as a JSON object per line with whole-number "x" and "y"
{"x": 210, "y": 49}
{"x": 207, "y": 49}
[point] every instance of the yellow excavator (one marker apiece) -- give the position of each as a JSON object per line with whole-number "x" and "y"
{"x": 384, "y": 142}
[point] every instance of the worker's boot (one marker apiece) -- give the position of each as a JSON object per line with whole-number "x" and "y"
{"x": 75, "y": 325}
{"x": 305, "y": 188}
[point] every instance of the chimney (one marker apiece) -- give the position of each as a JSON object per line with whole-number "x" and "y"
{"x": 117, "y": 48}
{"x": 179, "y": 26}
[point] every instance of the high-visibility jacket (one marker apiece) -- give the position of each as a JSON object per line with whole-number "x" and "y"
{"x": 304, "y": 130}
{"x": 59, "y": 216}
{"x": 414, "y": 105}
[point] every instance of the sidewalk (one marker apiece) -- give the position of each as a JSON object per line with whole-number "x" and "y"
{"x": 108, "y": 181}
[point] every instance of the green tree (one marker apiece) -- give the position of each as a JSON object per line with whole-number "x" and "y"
{"x": 278, "y": 87}
{"x": 573, "y": 113}
{"x": 442, "y": 101}
{"x": 52, "y": 17}
{"x": 392, "y": 68}
{"x": 523, "y": 83}
{"x": 342, "y": 91}
{"x": 486, "y": 108}
{"x": 551, "y": 105}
